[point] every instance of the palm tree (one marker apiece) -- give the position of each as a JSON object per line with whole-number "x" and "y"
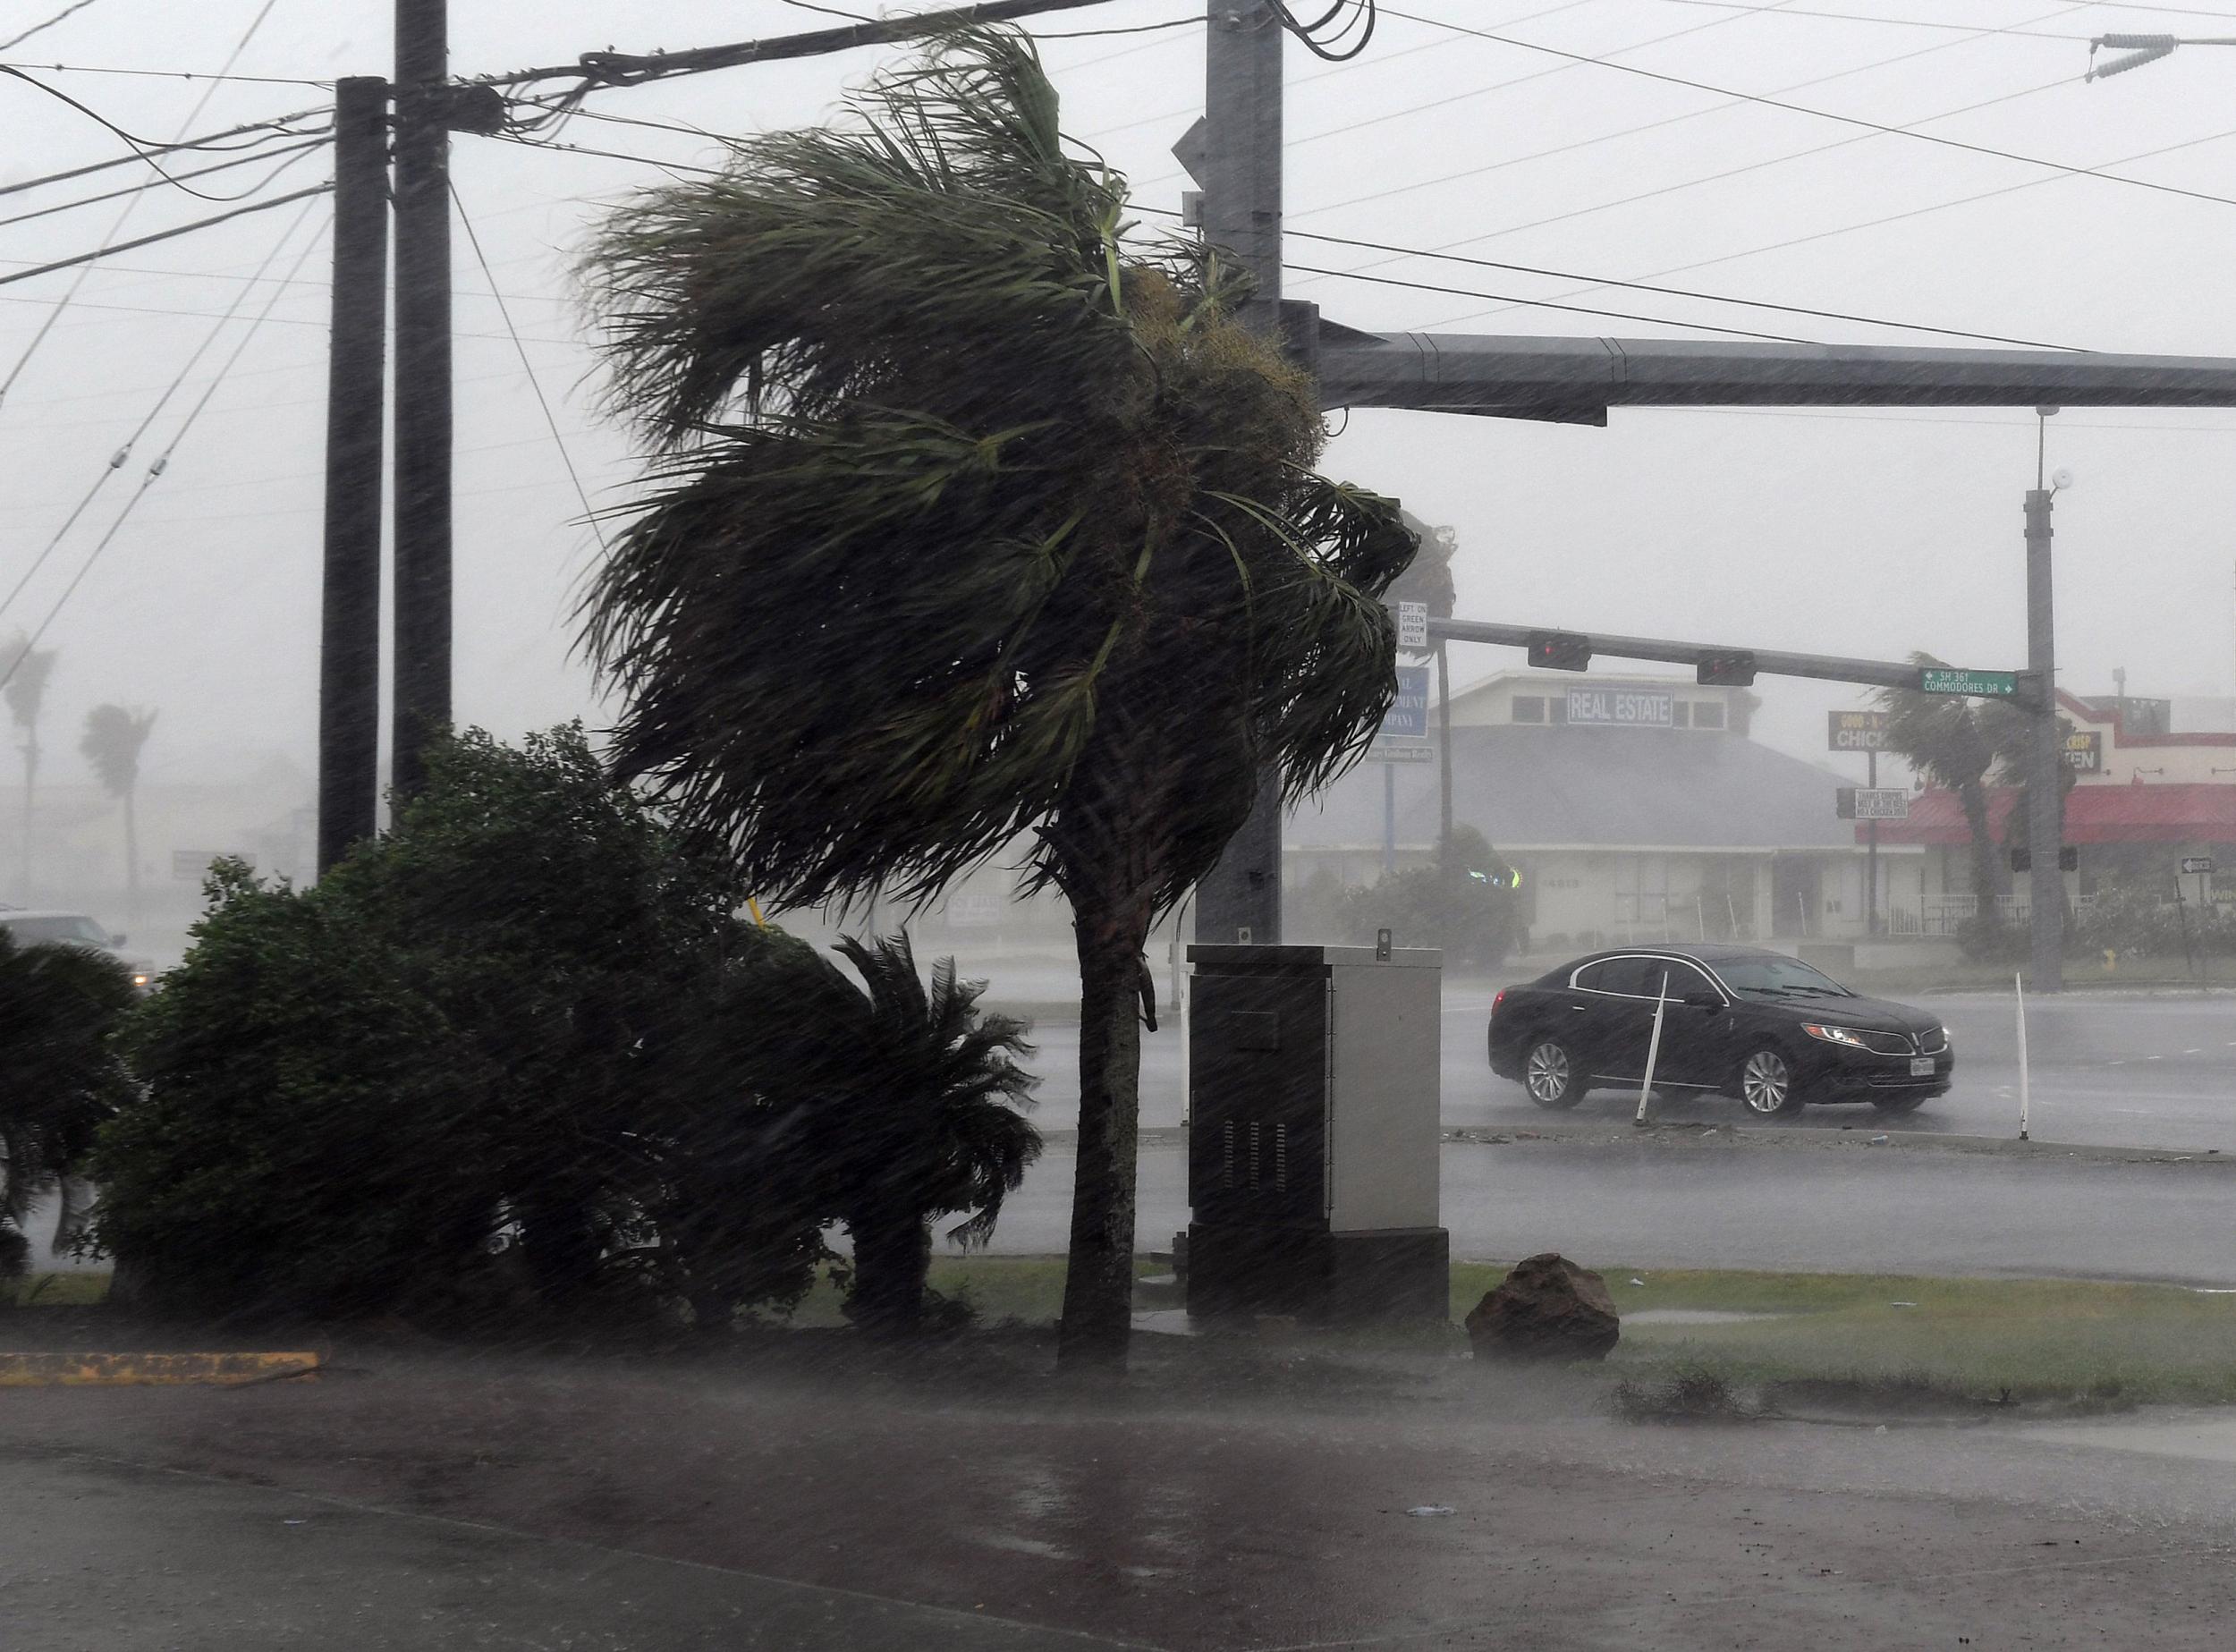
{"x": 1941, "y": 736}
{"x": 977, "y": 516}
{"x": 58, "y": 1077}
{"x": 913, "y": 1099}
{"x": 23, "y": 673}
{"x": 111, "y": 742}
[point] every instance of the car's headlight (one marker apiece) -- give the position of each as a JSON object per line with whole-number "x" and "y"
{"x": 1848, "y": 1036}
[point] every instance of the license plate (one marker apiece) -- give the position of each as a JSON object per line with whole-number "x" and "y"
{"x": 1921, "y": 1067}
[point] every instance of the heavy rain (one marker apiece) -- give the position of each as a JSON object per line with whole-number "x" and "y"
{"x": 1228, "y": 826}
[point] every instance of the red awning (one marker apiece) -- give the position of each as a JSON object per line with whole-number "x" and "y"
{"x": 2094, "y": 814}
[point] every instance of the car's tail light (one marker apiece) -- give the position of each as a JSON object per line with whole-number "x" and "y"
{"x": 1497, "y": 1001}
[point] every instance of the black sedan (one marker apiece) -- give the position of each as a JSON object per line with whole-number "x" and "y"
{"x": 1749, "y": 1023}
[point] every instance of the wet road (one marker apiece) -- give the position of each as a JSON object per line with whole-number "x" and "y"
{"x": 1838, "y": 1206}
{"x": 2107, "y": 1071}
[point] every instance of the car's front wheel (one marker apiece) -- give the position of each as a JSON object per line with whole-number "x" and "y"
{"x": 1549, "y": 1073}
{"x": 1765, "y": 1083}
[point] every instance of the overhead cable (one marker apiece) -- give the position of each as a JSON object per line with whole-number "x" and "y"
{"x": 172, "y": 74}
{"x": 183, "y": 229}
{"x": 156, "y": 183}
{"x": 473, "y": 239}
{"x": 278, "y": 126}
{"x": 1822, "y": 114}
{"x": 117, "y": 460}
{"x": 124, "y": 213}
{"x": 71, "y": 10}
{"x": 163, "y": 461}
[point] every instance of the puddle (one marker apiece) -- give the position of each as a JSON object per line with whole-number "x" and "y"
{"x": 1697, "y": 1315}
{"x": 2193, "y": 1439}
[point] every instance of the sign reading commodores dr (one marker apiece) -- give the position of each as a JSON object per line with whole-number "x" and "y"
{"x": 1741, "y": 1021}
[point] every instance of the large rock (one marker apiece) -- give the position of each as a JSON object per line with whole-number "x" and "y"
{"x": 1547, "y": 1309}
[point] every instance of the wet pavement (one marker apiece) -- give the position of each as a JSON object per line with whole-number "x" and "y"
{"x": 2108, "y": 1069}
{"x": 1261, "y": 1506}
{"x": 1831, "y": 1204}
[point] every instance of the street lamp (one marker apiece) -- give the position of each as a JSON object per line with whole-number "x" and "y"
{"x": 2141, "y": 48}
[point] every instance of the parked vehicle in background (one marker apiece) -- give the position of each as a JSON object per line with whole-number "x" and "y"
{"x": 1743, "y": 1020}
{"x": 31, "y": 926}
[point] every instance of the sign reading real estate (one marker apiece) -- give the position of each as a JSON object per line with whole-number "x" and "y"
{"x": 2084, "y": 751}
{"x": 1409, "y": 715}
{"x": 1856, "y": 731}
{"x": 1638, "y": 708}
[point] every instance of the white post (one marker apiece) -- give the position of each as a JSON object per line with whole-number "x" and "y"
{"x": 1802, "y": 905}
{"x": 2018, "y": 997}
{"x": 1653, "y": 1049}
{"x": 1700, "y": 917}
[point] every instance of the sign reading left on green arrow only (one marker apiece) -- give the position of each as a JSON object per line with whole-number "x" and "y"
{"x": 1987, "y": 684}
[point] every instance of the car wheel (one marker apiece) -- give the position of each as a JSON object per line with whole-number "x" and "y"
{"x": 1549, "y": 1073}
{"x": 1765, "y": 1083}
{"x": 1898, "y": 1104}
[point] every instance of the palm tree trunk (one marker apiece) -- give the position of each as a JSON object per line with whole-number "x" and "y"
{"x": 1975, "y": 800}
{"x": 892, "y": 1268}
{"x": 132, "y": 860}
{"x": 1098, "y": 1283}
{"x": 30, "y": 776}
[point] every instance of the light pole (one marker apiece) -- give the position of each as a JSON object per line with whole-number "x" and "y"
{"x": 2046, "y": 798}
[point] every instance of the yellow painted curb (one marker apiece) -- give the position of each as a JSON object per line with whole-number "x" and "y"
{"x": 48, "y": 1370}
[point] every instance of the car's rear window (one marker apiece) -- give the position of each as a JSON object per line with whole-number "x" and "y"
{"x": 30, "y": 931}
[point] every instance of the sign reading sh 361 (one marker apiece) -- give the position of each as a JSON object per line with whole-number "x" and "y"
{"x": 1982, "y": 684}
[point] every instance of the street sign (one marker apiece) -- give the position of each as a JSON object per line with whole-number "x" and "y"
{"x": 1401, "y": 751}
{"x": 1412, "y": 624}
{"x": 2196, "y": 865}
{"x": 1984, "y": 684}
{"x": 1872, "y": 803}
{"x": 2084, "y": 752}
{"x": 1410, "y": 715}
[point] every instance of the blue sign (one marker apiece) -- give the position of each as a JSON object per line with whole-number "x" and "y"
{"x": 1409, "y": 715}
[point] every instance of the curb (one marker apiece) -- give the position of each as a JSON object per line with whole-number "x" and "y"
{"x": 51, "y": 1370}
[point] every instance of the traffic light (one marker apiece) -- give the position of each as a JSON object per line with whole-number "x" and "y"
{"x": 1560, "y": 650}
{"x": 1845, "y": 808}
{"x": 1729, "y": 668}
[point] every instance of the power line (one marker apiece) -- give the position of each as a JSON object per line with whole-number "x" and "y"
{"x": 1822, "y": 114}
{"x": 124, "y": 215}
{"x": 123, "y": 453}
{"x": 276, "y": 127}
{"x": 141, "y": 148}
{"x": 1860, "y": 17}
{"x": 156, "y": 183}
{"x": 474, "y": 240}
{"x": 69, "y": 11}
{"x": 1617, "y": 315}
{"x": 169, "y": 234}
{"x": 162, "y": 463}
{"x": 169, "y": 74}
{"x": 1667, "y": 121}
{"x": 1878, "y": 223}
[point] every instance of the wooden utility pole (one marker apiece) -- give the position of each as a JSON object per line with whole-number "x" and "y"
{"x": 423, "y": 388}
{"x": 349, "y": 655}
{"x": 1239, "y": 898}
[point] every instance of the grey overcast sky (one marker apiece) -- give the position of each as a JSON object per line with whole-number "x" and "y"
{"x": 1865, "y": 533}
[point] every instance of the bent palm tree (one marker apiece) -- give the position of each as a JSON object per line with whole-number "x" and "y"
{"x": 111, "y": 742}
{"x": 1943, "y": 740}
{"x": 977, "y": 518}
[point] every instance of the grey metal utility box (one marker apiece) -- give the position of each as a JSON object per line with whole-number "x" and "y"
{"x": 1313, "y": 1134}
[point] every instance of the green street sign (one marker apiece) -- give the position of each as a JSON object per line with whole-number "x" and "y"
{"x": 1987, "y": 684}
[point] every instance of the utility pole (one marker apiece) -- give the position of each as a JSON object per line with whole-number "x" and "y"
{"x": 349, "y": 653}
{"x": 1239, "y": 898}
{"x": 2045, "y": 795}
{"x": 423, "y": 388}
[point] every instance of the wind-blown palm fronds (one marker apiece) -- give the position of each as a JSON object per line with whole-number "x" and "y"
{"x": 974, "y": 516}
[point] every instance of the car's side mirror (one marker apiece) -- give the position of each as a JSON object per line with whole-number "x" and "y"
{"x": 1703, "y": 1001}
